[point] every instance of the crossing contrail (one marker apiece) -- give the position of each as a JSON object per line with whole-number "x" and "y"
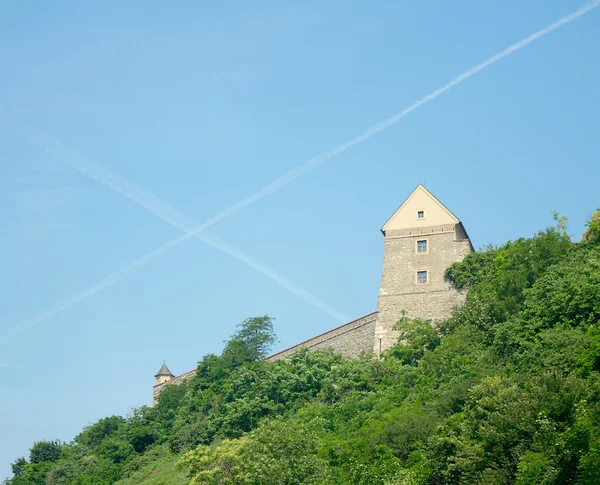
{"x": 139, "y": 263}
{"x": 315, "y": 162}
{"x": 116, "y": 182}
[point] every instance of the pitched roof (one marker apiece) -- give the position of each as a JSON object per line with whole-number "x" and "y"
{"x": 164, "y": 371}
{"x": 418, "y": 196}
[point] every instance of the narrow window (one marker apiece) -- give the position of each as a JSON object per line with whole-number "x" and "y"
{"x": 420, "y": 214}
{"x": 422, "y": 246}
{"x": 421, "y": 277}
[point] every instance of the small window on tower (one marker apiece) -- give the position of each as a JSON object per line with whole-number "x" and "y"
{"x": 421, "y": 277}
{"x": 420, "y": 214}
{"x": 422, "y": 246}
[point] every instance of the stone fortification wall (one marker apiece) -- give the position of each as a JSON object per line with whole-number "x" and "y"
{"x": 350, "y": 339}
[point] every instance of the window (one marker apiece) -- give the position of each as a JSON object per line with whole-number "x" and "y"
{"x": 422, "y": 246}
{"x": 421, "y": 277}
{"x": 420, "y": 214}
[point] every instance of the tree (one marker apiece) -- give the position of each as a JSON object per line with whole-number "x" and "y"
{"x": 44, "y": 451}
{"x": 277, "y": 453}
{"x": 141, "y": 430}
{"x": 252, "y": 341}
{"x": 93, "y": 435}
{"x": 283, "y": 453}
{"x": 18, "y": 467}
{"x": 115, "y": 450}
{"x": 215, "y": 465}
{"x": 416, "y": 336}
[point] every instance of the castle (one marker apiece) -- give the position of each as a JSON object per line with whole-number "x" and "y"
{"x": 421, "y": 239}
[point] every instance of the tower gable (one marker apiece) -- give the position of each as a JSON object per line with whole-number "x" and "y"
{"x": 421, "y": 209}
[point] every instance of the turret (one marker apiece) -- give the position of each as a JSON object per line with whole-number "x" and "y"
{"x": 163, "y": 375}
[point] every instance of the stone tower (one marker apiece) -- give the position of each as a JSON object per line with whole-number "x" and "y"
{"x": 163, "y": 375}
{"x": 422, "y": 239}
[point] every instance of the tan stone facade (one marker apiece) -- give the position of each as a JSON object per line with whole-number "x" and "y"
{"x": 400, "y": 289}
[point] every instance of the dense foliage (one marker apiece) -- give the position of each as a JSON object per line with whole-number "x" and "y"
{"x": 507, "y": 392}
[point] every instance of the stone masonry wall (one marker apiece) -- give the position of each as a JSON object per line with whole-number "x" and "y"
{"x": 350, "y": 339}
{"x": 434, "y": 300}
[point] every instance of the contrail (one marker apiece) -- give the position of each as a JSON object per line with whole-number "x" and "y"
{"x": 139, "y": 263}
{"x": 315, "y": 162}
{"x": 164, "y": 211}
{"x": 116, "y": 182}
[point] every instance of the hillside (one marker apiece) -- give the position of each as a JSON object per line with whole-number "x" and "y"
{"x": 507, "y": 392}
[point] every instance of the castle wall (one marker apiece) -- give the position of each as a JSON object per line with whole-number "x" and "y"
{"x": 350, "y": 339}
{"x": 400, "y": 290}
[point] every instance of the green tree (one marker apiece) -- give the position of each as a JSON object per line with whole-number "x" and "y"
{"x": 283, "y": 453}
{"x": 18, "y": 467}
{"x": 278, "y": 453}
{"x": 252, "y": 341}
{"x": 45, "y": 451}
{"x": 116, "y": 450}
{"x": 93, "y": 435}
{"x": 216, "y": 465}
{"x": 415, "y": 337}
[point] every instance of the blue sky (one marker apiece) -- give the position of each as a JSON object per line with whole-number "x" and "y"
{"x": 201, "y": 106}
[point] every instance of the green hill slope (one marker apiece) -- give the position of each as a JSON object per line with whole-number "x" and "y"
{"x": 506, "y": 392}
{"x": 156, "y": 467}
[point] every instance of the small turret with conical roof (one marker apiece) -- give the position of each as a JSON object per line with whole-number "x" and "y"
{"x": 163, "y": 375}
